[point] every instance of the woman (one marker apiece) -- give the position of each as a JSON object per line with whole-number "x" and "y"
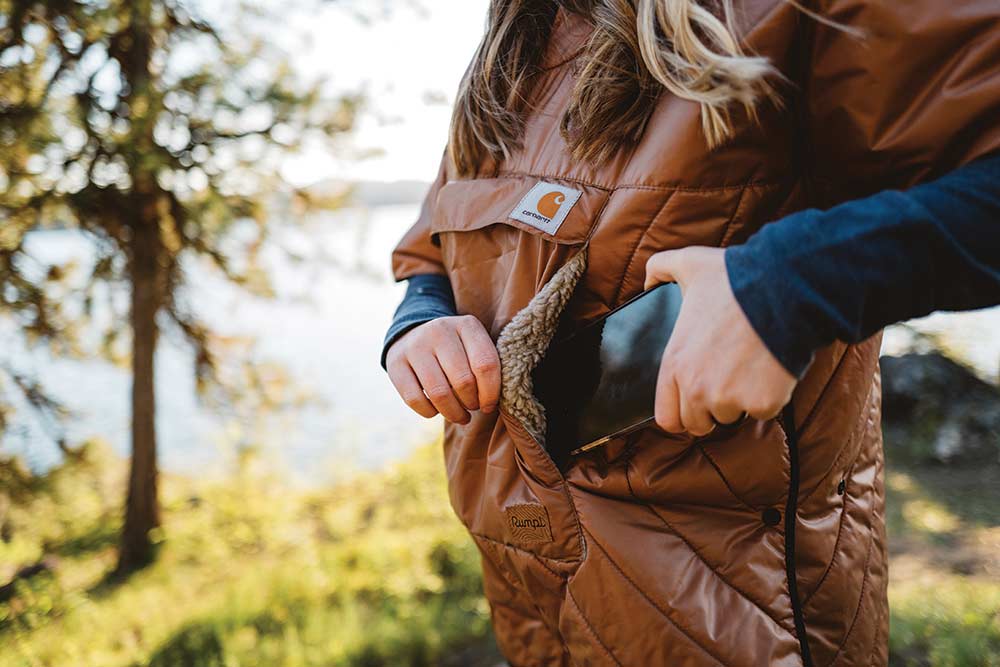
{"x": 593, "y": 139}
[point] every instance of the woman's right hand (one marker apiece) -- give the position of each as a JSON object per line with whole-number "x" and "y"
{"x": 449, "y": 366}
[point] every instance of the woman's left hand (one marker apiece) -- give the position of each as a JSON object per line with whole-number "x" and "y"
{"x": 715, "y": 368}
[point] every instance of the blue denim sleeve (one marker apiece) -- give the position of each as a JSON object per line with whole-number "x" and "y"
{"x": 842, "y": 274}
{"x": 428, "y": 297}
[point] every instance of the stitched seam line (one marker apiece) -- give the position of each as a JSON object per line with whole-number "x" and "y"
{"x": 461, "y": 267}
{"x": 883, "y": 608}
{"x": 840, "y": 532}
{"x": 725, "y": 481}
{"x": 726, "y": 231}
{"x": 548, "y": 569}
{"x": 501, "y": 567}
{"x": 714, "y": 571}
{"x": 807, "y": 421}
{"x": 520, "y": 614}
{"x": 878, "y": 634}
{"x": 595, "y": 224}
{"x": 562, "y": 580}
{"x": 590, "y": 628}
{"x": 652, "y": 224}
{"x": 843, "y": 514}
{"x": 861, "y": 601}
{"x": 860, "y": 429}
{"x": 684, "y": 631}
{"x": 746, "y": 596}
{"x": 523, "y": 550}
{"x": 562, "y": 480}
{"x": 512, "y": 582}
{"x": 761, "y": 183}
{"x": 635, "y": 248}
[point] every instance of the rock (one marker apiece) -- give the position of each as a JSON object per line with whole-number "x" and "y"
{"x": 936, "y": 410}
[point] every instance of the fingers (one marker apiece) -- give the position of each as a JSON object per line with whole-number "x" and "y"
{"x": 680, "y": 411}
{"x": 766, "y": 410}
{"x": 448, "y": 366}
{"x": 668, "y": 414}
{"x": 695, "y": 417}
{"x": 662, "y": 268}
{"x": 716, "y": 369}
{"x": 726, "y": 413}
{"x": 451, "y": 355}
{"x": 406, "y": 383}
{"x": 484, "y": 361}
{"x": 438, "y": 389}
{"x": 681, "y": 407}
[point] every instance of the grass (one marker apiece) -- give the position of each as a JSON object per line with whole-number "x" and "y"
{"x": 377, "y": 572}
{"x": 944, "y": 573}
{"x": 373, "y": 572}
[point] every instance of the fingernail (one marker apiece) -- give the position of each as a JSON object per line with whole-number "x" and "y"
{"x": 490, "y": 408}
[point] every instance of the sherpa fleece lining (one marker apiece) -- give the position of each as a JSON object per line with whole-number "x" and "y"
{"x": 524, "y": 340}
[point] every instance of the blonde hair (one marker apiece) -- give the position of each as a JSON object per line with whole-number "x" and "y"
{"x": 638, "y": 49}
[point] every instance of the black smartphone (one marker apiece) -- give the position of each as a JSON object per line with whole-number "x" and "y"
{"x": 600, "y": 381}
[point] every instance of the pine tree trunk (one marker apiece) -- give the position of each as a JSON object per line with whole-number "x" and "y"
{"x": 142, "y": 511}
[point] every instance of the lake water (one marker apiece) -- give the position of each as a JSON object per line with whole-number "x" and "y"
{"x": 325, "y": 327}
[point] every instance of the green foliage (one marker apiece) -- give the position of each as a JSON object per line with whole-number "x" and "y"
{"x": 947, "y": 621}
{"x": 377, "y": 572}
{"x": 194, "y": 645}
{"x": 944, "y": 592}
{"x": 159, "y": 136}
{"x": 373, "y": 572}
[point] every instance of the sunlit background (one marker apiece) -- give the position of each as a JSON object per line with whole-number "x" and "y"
{"x": 325, "y": 324}
{"x": 305, "y": 518}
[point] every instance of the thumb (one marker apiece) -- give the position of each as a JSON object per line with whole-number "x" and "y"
{"x": 664, "y": 267}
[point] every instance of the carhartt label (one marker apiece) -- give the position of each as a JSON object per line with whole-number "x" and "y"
{"x": 528, "y": 523}
{"x": 546, "y": 206}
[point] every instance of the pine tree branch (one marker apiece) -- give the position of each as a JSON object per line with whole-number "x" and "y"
{"x": 50, "y": 414}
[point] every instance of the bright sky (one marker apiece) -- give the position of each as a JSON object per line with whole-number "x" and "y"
{"x": 408, "y": 62}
